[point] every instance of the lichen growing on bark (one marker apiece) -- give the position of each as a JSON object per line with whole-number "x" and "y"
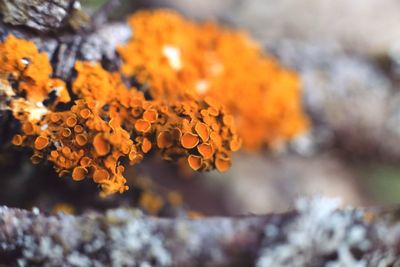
{"x": 107, "y": 122}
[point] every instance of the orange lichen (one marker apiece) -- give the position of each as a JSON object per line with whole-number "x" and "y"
{"x": 184, "y": 133}
{"x": 101, "y": 146}
{"x": 151, "y": 202}
{"x": 93, "y": 152}
{"x": 222, "y": 163}
{"x": 150, "y": 115}
{"x": 95, "y": 83}
{"x": 195, "y": 162}
{"x": 100, "y": 175}
{"x": 79, "y": 173}
{"x": 146, "y": 145}
{"x": 202, "y": 130}
{"x": 189, "y": 140}
{"x": 176, "y": 57}
{"x": 164, "y": 139}
{"x": 206, "y": 150}
{"x": 63, "y": 208}
{"x": 22, "y": 63}
{"x": 41, "y": 142}
{"x": 173, "y": 127}
{"x": 174, "y": 198}
{"x": 81, "y": 139}
{"x": 17, "y": 140}
{"x": 107, "y": 123}
{"x": 235, "y": 144}
{"x": 194, "y": 215}
{"x": 142, "y": 125}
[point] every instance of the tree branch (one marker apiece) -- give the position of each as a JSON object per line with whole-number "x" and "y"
{"x": 352, "y": 101}
{"x": 314, "y": 234}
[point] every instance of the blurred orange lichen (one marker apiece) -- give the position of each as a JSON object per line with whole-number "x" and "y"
{"x": 194, "y": 215}
{"x": 151, "y": 202}
{"x": 63, "y": 208}
{"x": 176, "y": 57}
{"x": 174, "y": 198}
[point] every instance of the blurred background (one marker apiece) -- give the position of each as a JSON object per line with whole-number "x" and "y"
{"x": 348, "y": 56}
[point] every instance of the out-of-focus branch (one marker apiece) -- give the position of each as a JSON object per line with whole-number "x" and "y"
{"x": 314, "y": 234}
{"x": 353, "y": 103}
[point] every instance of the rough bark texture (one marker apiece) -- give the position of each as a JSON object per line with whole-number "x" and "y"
{"x": 65, "y": 48}
{"x": 63, "y": 30}
{"x": 43, "y": 15}
{"x": 316, "y": 233}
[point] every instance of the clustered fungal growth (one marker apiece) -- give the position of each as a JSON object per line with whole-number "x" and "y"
{"x": 105, "y": 122}
{"x": 174, "y": 57}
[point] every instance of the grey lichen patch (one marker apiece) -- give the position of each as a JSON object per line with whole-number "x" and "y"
{"x": 315, "y": 234}
{"x": 46, "y": 249}
{"x": 133, "y": 242}
{"x": 119, "y": 238}
{"x": 43, "y": 15}
{"x": 322, "y": 235}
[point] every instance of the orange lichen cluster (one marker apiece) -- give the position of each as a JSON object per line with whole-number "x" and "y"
{"x": 154, "y": 199}
{"x": 154, "y": 202}
{"x": 108, "y": 122}
{"x": 29, "y": 71}
{"x": 81, "y": 144}
{"x": 176, "y": 57}
{"x": 203, "y": 131}
{"x": 199, "y": 130}
{"x": 95, "y": 83}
